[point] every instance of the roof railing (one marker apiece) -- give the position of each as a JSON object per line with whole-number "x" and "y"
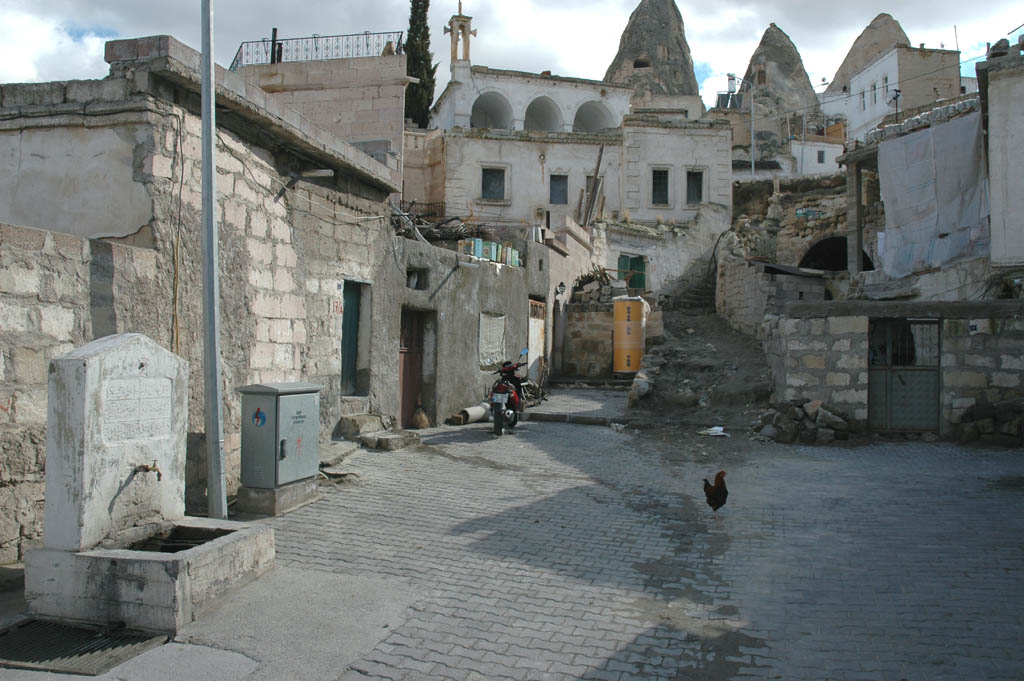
{"x": 317, "y": 47}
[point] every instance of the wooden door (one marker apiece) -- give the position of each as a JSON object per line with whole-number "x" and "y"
{"x": 410, "y": 364}
{"x": 536, "y": 343}
{"x": 349, "y": 336}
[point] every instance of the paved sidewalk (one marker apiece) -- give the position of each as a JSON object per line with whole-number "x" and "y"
{"x": 571, "y": 552}
{"x": 582, "y": 404}
{"x": 567, "y": 552}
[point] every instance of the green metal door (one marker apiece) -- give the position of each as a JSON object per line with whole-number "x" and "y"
{"x": 349, "y": 336}
{"x": 904, "y": 374}
{"x": 633, "y": 268}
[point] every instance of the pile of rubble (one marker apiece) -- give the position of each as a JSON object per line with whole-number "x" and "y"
{"x": 598, "y": 292}
{"x": 805, "y": 422}
{"x": 993, "y": 422}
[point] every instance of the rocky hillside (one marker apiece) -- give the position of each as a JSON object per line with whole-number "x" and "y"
{"x": 787, "y": 87}
{"x": 653, "y": 56}
{"x": 881, "y": 34}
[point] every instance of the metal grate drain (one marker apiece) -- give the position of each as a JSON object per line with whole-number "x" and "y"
{"x": 52, "y": 647}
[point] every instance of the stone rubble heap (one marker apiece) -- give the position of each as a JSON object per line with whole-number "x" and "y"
{"x": 1002, "y": 420}
{"x": 805, "y": 422}
{"x": 596, "y": 292}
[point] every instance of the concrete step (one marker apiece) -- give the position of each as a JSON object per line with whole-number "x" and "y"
{"x": 333, "y": 452}
{"x": 351, "y": 404}
{"x": 389, "y": 440}
{"x": 354, "y": 425}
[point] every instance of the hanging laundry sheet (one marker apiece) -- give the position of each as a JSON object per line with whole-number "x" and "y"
{"x": 935, "y": 190}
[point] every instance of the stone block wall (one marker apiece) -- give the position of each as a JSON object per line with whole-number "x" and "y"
{"x": 823, "y": 358}
{"x": 982, "y": 368}
{"x": 741, "y": 292}
{"x": 423, "y": 175}
{"x": 815, "y": 355}
{"x": 56, "y": 292}
{"x": 356, "y": 99}
{"x": 588, "y": 343}
{"x": 284, "y": 247}
{"x": 745, "y": 293}
{"x": 790, "y": 288}
{"x": 589, "y": 350}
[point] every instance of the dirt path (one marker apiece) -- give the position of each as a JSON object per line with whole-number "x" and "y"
{"x": 709, "y": 376}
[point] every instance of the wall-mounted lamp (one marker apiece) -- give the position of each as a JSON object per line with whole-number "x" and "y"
{"x": 542, "y": 158}
{"x": 560, "y": 289}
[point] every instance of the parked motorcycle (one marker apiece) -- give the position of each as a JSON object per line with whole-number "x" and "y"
{"x": 507, "y": 399}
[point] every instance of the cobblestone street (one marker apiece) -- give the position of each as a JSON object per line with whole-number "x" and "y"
{"x": 576, "y": 552}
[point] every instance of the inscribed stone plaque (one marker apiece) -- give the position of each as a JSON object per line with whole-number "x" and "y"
{"x": 137, "y": 409}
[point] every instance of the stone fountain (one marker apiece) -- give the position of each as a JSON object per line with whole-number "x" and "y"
{"x": 117, "y": 547}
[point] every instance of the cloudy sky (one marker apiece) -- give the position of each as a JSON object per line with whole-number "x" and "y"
{"x": 43, "y": 40}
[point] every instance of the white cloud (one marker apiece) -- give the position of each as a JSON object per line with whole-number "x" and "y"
{"x": 34, "y": 49}
{"x": 571, "y": 37}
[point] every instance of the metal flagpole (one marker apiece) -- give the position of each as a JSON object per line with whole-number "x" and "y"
{"x": 216, "y": 493}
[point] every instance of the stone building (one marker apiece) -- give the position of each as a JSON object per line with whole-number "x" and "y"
{"x": 100, "y": 207}
{"x": 359, "y": 99}
{"x": 515, "y": 149}
{"x": 912, "y": 76}
{"x": 924, "y": 323}
{"x": 792, "y": 137}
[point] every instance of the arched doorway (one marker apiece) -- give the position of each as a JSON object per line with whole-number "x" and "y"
{"x": 542, "y": 115}
{"x": 830, "y": 255}
{"x": 491, "y": 110}
{"x": 593, "y": 117}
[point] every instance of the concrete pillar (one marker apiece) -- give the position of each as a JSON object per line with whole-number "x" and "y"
{"x": 854, "y": 218}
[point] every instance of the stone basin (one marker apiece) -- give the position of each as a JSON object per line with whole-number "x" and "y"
{"x": 149, "y": 589}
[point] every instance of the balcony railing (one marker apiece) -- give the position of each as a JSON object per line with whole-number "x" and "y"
{"x": 317, "y": 47}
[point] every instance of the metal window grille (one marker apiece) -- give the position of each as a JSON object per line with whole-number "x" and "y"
{"x": 659, "y": 187}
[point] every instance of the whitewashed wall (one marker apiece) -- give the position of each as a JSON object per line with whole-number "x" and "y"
{"x": 1006, "y": 164}
{"x": 519, "y": 89}
{"x": 806, "y": 157}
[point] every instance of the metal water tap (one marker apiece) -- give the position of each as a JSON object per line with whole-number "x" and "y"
{"x": 146, "y": 468}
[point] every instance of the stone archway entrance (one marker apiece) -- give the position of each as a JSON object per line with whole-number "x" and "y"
{"x": 830, "y": 255}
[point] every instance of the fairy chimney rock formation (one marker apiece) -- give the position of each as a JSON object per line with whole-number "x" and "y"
{"x": 882, "y": 33}
{"x": 653, "y": 56}
{"x": 781, "y": 84}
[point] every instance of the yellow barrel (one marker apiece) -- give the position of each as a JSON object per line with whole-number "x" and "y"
{"x": 628, "y": 336}
{"x": 629, "y": 310}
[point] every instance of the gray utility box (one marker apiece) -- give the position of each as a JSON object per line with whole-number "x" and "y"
{"x": 280, "y": 433}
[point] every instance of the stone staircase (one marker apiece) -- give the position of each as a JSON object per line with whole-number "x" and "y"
{"x": 372, "y": 431}
{"x": 699, "y": 296}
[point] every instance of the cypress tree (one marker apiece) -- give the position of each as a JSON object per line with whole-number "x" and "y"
{"x": 419, "y": 96}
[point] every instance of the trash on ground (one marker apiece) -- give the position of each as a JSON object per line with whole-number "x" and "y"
{"x": 714, "y": 431}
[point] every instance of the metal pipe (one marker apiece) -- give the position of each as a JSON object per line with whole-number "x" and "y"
{"x": 750, "y": 87}
{"x": 216, "y": 492}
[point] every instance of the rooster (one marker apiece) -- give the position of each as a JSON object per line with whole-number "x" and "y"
{"x": 716, "y": 494}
